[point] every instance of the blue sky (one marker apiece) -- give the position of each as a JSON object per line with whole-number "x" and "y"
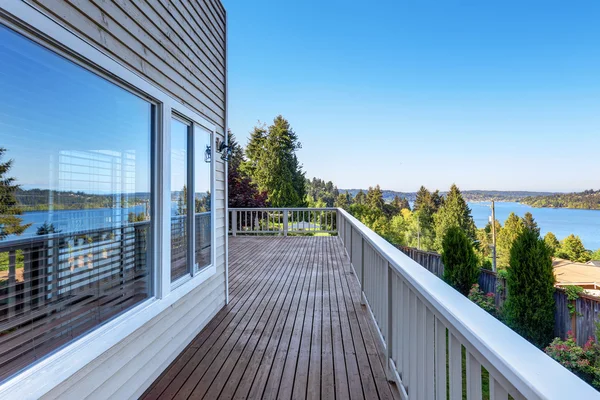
{"x": 487, "y": 94}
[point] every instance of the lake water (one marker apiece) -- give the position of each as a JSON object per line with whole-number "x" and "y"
{"x": 560, "y": 221}
{"x": 77, "y": 220}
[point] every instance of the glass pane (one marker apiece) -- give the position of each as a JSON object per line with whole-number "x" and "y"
{"x": 76, "y": 204}
{"x": 202, "y": 206}
{"x": 179, "y": 211}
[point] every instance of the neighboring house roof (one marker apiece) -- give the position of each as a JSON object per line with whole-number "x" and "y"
{"x": 595, "y": 263}
{"x": 573, "y": 273}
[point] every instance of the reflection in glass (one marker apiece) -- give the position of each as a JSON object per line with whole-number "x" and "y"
{"x": 75, "y": 234}
{"x": 202, "y": 206}
{"x": 179, "y": 199}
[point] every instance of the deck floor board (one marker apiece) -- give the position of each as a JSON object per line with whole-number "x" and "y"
{"x": 294, "y": 328}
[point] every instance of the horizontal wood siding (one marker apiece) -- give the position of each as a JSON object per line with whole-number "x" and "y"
{"x": 178, "y": 46}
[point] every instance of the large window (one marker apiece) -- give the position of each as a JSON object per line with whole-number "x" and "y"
{"x": 76, "y": 210}
{"x": 202, "y": 199}
{"x": 191, "y": 175}
{"x": 180, "y": 134}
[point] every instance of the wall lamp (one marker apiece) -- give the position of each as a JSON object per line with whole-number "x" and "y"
{"x": 221, "y": 147}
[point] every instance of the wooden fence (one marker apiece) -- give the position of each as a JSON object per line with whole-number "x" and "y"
{"x": 582, "y": 323}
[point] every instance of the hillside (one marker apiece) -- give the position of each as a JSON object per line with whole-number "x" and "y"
{"x": 469, "y": 195}
{"x": 589, "y": 199}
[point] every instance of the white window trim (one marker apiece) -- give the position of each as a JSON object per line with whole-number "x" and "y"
{"x": 52, "y": 370}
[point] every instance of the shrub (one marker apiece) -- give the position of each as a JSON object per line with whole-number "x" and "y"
{"x": 459, "y": 259}
{"x": 485, "y": 301}
{"x": 582, "y": 361}
{"x": 529, "y": 308}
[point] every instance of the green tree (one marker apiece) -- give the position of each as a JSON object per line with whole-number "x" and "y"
{"x": 343, "y": 200}
{"x": 596, "y": 255}
{"x": 529, "y": 308}
{"x": 255, "y": 150}
{"x": 375, "y": 198}
{"x": 360, "y": 197}
{"x": 453, "y": 212}
{"x": 273, "y": 164}
{"x": 552, "y": 243}
{"x": 530, "y": 223}
{"x": 572, "y": 249}
{"x": 512, "y": 228}
{"x": 459, "y": 259}
{"x": 10, "y": 223}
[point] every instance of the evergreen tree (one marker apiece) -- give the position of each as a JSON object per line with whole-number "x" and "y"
{"x": 10, "y": 223}
{"x": 342, "y": 201}
{"x": 454, "y": 212}
{"x": 437, "y": 200}
{"x": 459, "y": 259}
{"x": 512, "y": 228}
{"x": 254, "y": 150}
{"x": 529, "y": 308}
{"x": 530, "y": 223}
{"x": 596, "y": 255}
{"x": 552, "y": 243}
{"x": 273, "y": 164}
{"x": 375, "y": 198}
{"x": 423, "y": 201}
{"x": 242, "y": 191}
{"x": 360, "y": 198}
{"x": 572, "y": 249}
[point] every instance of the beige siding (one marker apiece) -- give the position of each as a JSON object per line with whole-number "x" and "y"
{"x": 178, "y": 46}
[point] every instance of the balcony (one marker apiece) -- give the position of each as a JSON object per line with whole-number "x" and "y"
{"x": 349, "y": 316}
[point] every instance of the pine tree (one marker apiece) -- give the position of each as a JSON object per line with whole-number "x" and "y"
{"x": 273, "y": 164}
{"x": 454, "y": 212}
{"x": 530, "y": 223}
{"x": 10, "y": 223}
{"x": 242, "y": 191}
{"x": 360, "y": 198}
{"x": 529, "y": 308}
{"x": 512, "y": 228}
{"x": 375, "y": 198}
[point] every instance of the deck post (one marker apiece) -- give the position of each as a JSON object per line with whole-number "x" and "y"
{"x": 363, "y": 300}
{"x": 388, "y": 335}
{"x": 234, "y": 222}
{"x": 285, "y": 222}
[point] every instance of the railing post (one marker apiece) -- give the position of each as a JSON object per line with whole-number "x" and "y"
{"x": 388, "y": 335}
{"x": 285, "y": 222}
{"x": 234, "y": 222}
{"x": 362, "y": 271}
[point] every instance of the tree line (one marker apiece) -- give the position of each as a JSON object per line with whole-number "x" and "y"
{"x": 588, "y": 199}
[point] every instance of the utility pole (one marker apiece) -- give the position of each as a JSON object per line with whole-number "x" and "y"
{"x": 493, "y": 236}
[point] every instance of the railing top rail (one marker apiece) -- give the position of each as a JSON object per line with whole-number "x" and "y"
{"x": 531, "y": 371}
{"x": 284, "y": 209}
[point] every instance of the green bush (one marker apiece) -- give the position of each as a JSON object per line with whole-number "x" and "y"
{"x": 459, "y": 259}
{"x": 529, "y": 308}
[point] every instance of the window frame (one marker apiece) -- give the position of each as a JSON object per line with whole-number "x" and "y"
{"x": 61, "y": 364}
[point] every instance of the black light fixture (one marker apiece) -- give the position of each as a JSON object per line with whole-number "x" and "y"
{"x": 223, "y": 148}
{"x": 207, "y": 154}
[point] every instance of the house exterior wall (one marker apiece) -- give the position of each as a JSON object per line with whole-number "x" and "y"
{"x": 179, "y": 47}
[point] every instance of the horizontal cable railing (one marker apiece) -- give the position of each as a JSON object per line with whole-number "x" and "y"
{"x": 435, "y": 337}
{"x": 282, "y": 221}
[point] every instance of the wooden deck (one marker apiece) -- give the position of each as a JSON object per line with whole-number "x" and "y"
{"x": 294, "y": 328}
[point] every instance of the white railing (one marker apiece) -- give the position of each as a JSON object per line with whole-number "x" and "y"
{"x": 431, "y": 332}
{"x": 281, "y": 221}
